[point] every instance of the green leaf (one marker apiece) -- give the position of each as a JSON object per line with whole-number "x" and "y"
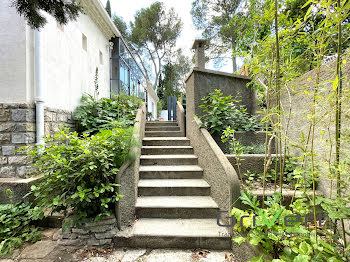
{"x": 239, "y": 239}
{"x": 305, "y": 248}
{"x": 301, "y": 258}
{"x": 307, "y": 3}
{"x": 335, "y": 83}
{"x": 307, "y": 13}
{"x": 258, "y": 259}
{"x": 254, "y": 240}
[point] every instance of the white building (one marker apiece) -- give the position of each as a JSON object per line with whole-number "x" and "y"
{"x": 69, "y": 56}
{"x": 43, "y": 75}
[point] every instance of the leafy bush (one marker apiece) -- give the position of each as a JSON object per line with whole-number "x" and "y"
{"x": 105, "y": 113}
{"x": 295, "y": 242}
{"x": 79, "y": 172}
{"x": 15, "y": 228}
{"x": 221, "y": 112}
{"x": 291, "y": 178}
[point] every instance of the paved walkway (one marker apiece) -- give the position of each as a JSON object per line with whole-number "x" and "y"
{"x": 47, "y": 250}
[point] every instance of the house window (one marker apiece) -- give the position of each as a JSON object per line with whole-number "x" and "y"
{"x": 101, "y": 58}
{"x": 60, "y": 26}
{"x": 84, "y": 42}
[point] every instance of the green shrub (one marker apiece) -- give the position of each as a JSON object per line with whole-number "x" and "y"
{"x": 79, "y": 172}
{"x": 221, "y": 112}
{"x": 15, "y": 227}
{"x": 105, "y": 113}
{"x": 295, "y": 242}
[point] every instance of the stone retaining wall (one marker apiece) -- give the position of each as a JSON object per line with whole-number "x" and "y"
{"x": 92, "y": 234}
{"x": 17, "y": 129}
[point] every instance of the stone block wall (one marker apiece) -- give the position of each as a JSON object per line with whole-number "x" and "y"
{"x": 92, "y": 234}
{"x": 17, "y": 129}
{"x": 201, "y": 82}
{"x": 55, "y": 118}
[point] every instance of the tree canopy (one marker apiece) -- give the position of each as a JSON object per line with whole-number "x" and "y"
{"x": 174, "y": 72}
{"x": 153, "y": 35}
{"x": 121, "y": 25}
{"x": 62, "y": 11}
{"x": 214, "y": 17}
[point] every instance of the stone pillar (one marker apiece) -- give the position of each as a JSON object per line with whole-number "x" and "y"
{"x": 199, "y": 56}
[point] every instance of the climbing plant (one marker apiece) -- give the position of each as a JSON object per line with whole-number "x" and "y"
{"x": 323, "y": 137}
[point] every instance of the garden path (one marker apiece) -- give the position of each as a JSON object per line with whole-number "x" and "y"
{"x": 47, "y": 250}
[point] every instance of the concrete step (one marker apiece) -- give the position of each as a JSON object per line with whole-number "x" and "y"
{"x": 159, "y": 150}
{"x": 165, "y": 141}
{"x": 171, "y": 172}
{"x": 175, "y": 233}
{"x": 162, "y": 128}
{"x": 168, "y": 160}
{"x": 176, "y": 207}
{"x": 161, "y": 123}
{"x": 20, "y": 187}
{"x": 163, "y": 134}
{"x": 173, "y": 187}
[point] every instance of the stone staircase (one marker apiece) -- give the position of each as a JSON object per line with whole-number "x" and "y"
{"x": 174, "y": 207}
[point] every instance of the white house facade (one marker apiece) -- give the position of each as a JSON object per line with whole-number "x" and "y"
{"x": 43, "y": 75}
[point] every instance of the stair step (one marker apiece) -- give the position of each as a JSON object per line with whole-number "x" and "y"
{"x": 173, "y": 187}
{"x": 166, "y": 233}
{"x": 19, "y": 187}
{"x": 176, "y": 207}
{"x": 163, "y": 134}
{"x": 170, "y": 172}
{"x": 165, "y": 141}
{"x": 162, "y": 128}
{"x": 158, "y": 150}
{"x": 168, "y": 160}
{"x": 161, "y": 123}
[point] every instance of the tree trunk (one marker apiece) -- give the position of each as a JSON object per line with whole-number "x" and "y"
{"x": 338, "y": 117}
{"x": 234, "y": 64}
{"x": 234, "y": 58}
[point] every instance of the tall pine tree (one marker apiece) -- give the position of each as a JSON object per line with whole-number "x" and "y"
{"x": 108, "y": 8}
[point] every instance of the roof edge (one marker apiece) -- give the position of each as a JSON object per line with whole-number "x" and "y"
{"x": 215, "y": 72}
{"x": 95, "y": 10}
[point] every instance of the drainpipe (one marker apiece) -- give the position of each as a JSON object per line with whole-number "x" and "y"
{"x": 39, "y": 101}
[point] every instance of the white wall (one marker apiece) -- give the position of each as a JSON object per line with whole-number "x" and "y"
{"x": 151, "y": 106}
{"x": 12, "y": 56}
{"x": 68, "y": 70}
{"x": 163, "y": 115}
{"x": 152, "y": 100}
